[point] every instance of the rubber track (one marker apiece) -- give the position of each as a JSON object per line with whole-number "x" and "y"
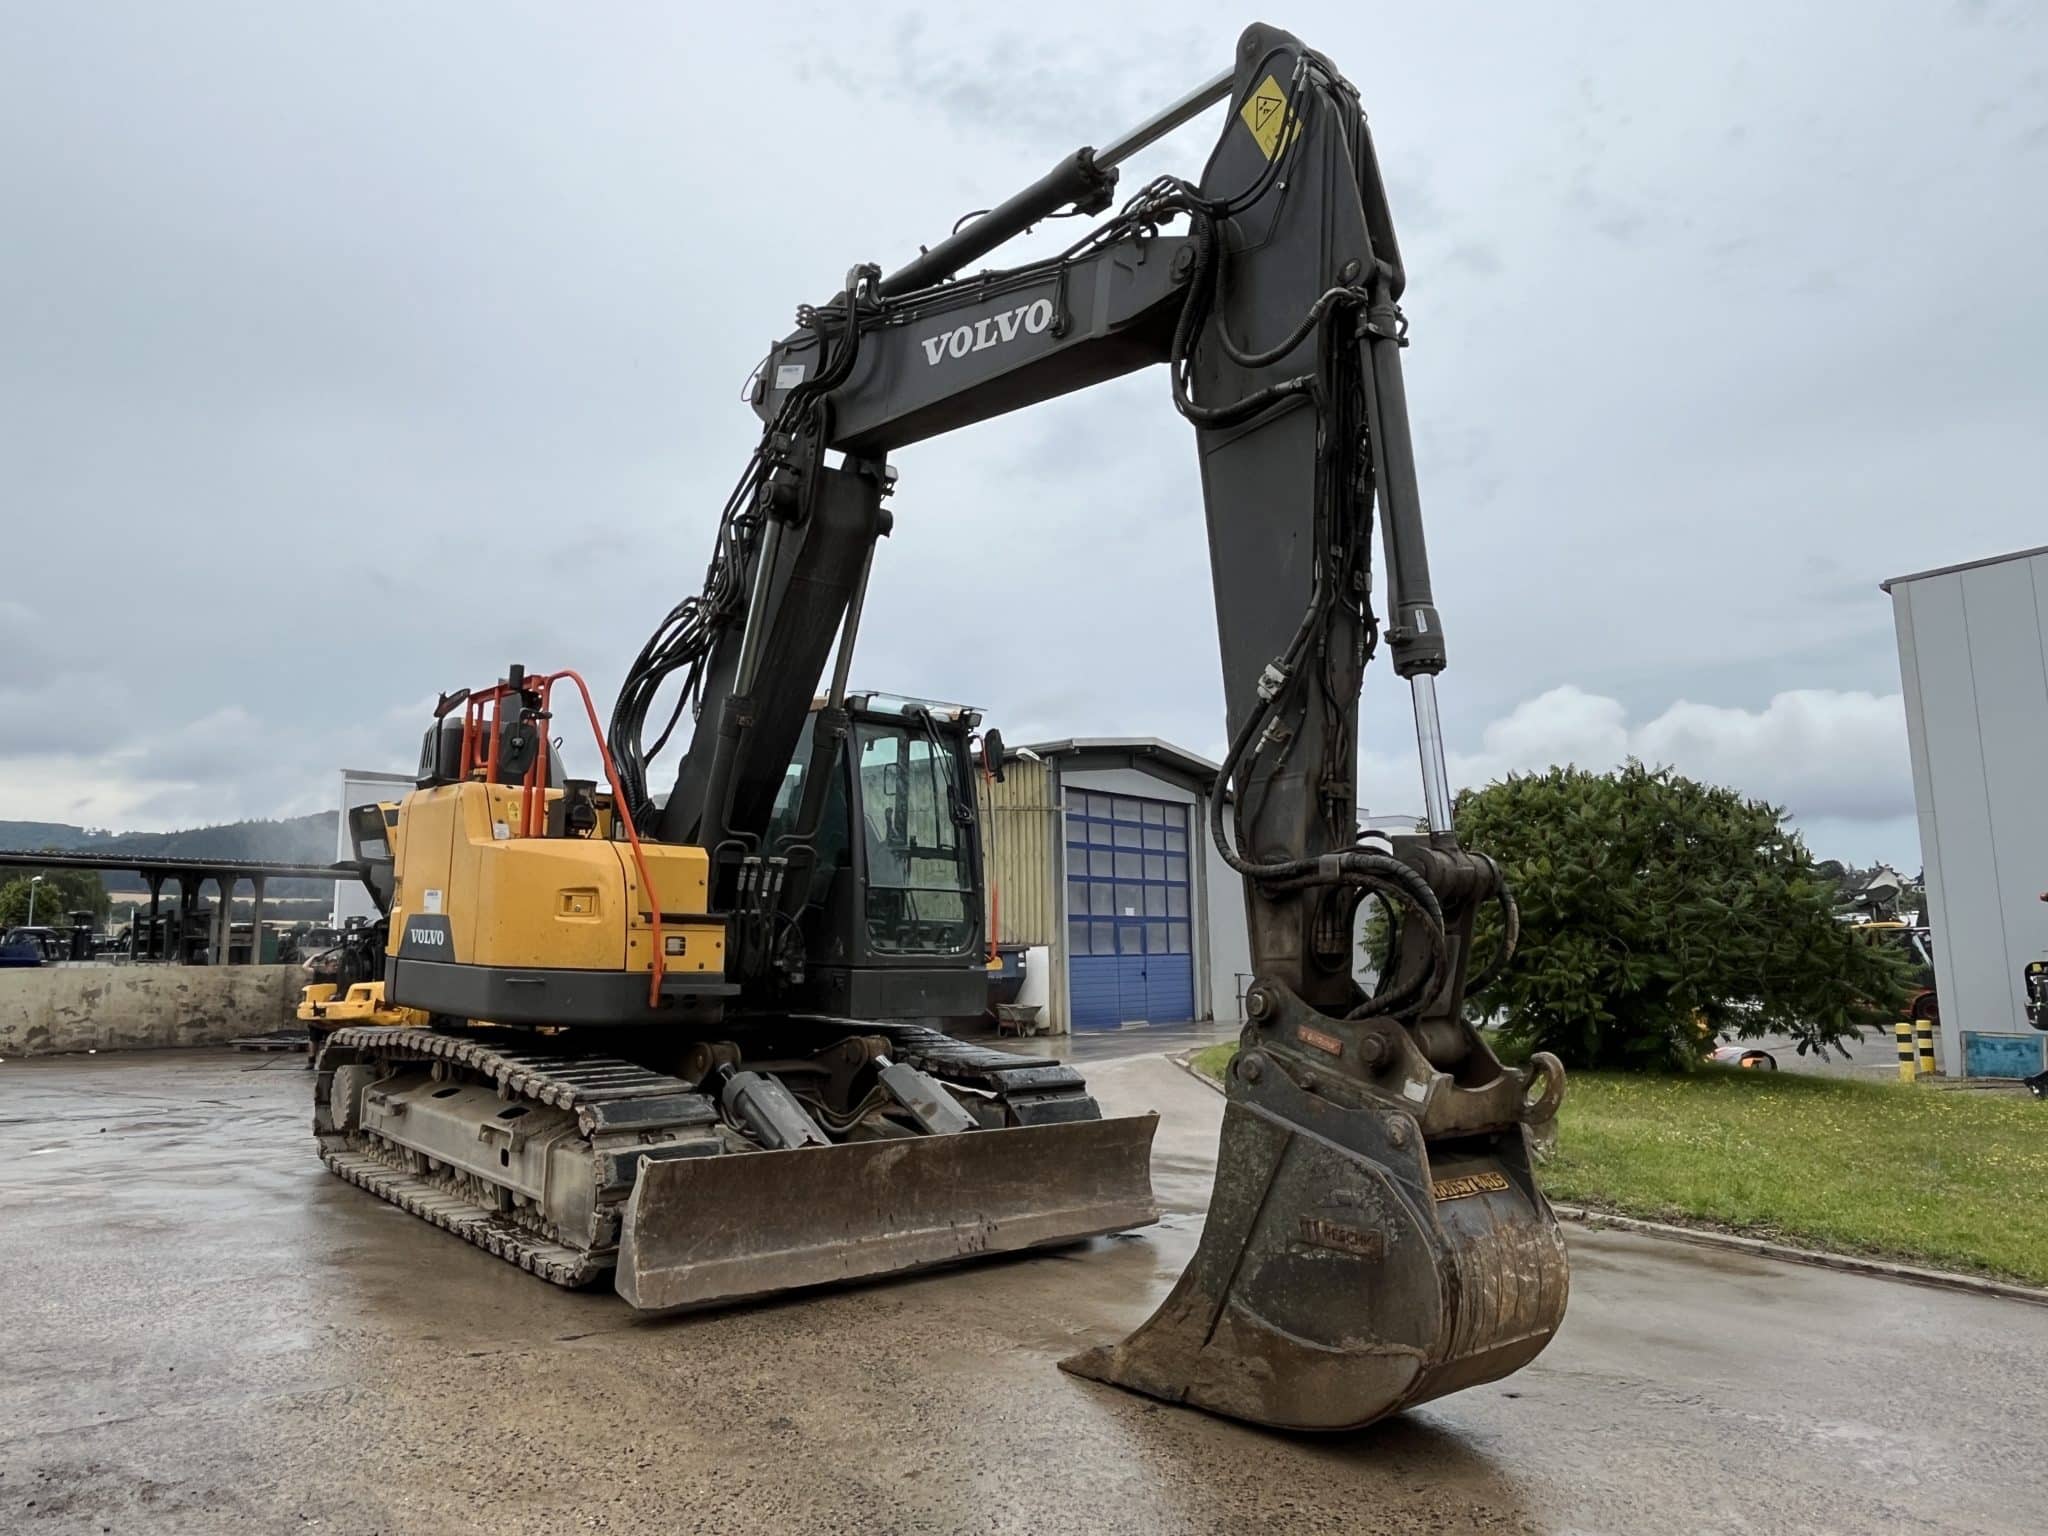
{"x": 556, "y": 1263}
{"x": 564, "y": 1082}
{"x": 580, "y": 1083}
{"x": 574, "y": 1083}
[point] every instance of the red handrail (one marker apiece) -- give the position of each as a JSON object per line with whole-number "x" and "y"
{"x": 533, "y": 788}
{"x": 995, "y": 889}
{"x": 624, "y": 812}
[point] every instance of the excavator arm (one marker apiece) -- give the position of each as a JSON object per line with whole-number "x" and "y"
{"x": 1376, "y": 1237}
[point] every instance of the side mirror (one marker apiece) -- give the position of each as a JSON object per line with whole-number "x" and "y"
{"x": 992, "y": 754}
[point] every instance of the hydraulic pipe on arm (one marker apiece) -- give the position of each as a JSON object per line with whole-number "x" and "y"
{"x": 1415, "y": 635}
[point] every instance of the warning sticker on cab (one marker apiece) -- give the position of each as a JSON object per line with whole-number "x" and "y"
{"x": 1265, "y": 113}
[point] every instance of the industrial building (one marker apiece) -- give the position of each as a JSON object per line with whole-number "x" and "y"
{"x": 1098, "y": 855}
{"x": 1973, "y": 659}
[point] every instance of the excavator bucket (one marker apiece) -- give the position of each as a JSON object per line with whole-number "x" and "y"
{"x": 703, "y": 1230}
{"x": 1349, "y": 1268}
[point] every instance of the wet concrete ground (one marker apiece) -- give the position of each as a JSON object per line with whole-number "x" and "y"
{"x": 203, "y": 1331}
{"x": 1090, "y": 1045}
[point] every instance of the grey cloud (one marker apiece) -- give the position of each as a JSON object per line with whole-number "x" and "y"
{"x": 1618, "y": 219}
{"x": 1481, "y": 257}
{"x": 1030, "y": 82}
{"x": 1418, "y": 210}
{"x": 348, "y": 362}
{"x": 52, "y": 711}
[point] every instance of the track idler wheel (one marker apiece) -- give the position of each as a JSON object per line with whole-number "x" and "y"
{"x": 1351, "y": 1266}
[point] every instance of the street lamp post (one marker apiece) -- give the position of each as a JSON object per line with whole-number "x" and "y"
{"x": 34, "y": 881}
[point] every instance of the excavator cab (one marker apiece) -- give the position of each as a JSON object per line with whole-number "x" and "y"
{"x": 889, "y": 904}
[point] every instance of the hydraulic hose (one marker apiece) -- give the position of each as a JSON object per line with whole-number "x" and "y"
{"x": 1510, "y": 935}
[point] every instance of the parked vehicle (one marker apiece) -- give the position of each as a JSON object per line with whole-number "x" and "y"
{"x": 2035, "y": 980}
{"x": 1751, "y": 1058}
{"x": 32, "y": 946}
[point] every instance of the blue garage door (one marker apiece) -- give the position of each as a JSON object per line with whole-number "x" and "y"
{"x": 1130, "y": 957}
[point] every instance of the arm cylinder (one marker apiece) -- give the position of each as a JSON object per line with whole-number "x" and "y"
{"x": 1414, "y": 633}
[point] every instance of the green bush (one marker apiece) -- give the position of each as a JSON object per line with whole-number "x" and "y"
{"x": 1659, "y": 913}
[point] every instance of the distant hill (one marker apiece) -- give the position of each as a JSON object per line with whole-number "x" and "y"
{"x": 42, "y": 834}
{"x": 295, "y": 840}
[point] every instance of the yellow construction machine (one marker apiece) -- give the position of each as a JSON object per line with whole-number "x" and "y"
{"x": 686, "y": 1043}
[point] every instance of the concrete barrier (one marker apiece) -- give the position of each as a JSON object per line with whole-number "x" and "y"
{"x": 49, "y": 1009}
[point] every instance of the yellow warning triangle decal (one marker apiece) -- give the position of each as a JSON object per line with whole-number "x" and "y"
{"x": 1265, "y": 114}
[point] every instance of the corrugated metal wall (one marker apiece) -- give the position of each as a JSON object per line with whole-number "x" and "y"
{"x": 1019, "y": 820}
{"x": 1973, "y": 658}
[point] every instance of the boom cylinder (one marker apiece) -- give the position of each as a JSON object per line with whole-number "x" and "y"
{"x": 1077, "y": 180}
{"x": 1086, "y": 179}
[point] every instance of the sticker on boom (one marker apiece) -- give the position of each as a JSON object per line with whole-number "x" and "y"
{"x": 1265, "y": 113}
{"x": 1470, "y": 1184}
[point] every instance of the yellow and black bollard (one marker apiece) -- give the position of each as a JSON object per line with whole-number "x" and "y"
{"x": 1903, "y": 1033}
{"x": 1923, "y": 1040}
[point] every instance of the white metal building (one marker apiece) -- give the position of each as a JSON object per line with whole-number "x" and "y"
{"x": 1973, "y": 658}
{"x": 360, "y": 786}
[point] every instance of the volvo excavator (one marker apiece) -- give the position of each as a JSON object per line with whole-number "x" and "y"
{"x": 684, "y": 1043}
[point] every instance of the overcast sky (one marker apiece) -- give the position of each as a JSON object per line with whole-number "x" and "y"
{"x": 349, "y": 352}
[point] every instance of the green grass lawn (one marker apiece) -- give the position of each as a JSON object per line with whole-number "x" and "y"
{"x": 1212, "y": 1059}
{"x": 1956, "y": 1179}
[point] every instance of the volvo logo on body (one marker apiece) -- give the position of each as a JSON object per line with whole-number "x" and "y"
{"x": 433, "y": 936}
{"x": 990, "y": 331}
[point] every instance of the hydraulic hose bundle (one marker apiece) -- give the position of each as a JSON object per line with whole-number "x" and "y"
{"x": 684, "y": 639}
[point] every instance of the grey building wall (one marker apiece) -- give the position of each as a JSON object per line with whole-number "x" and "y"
{"x": 1973, "y": 664}
{"x": 1228, "y": 930}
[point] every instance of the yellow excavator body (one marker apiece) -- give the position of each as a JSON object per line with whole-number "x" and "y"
{"x": 327, "y": 1006}
{"x": 556, "y": 903}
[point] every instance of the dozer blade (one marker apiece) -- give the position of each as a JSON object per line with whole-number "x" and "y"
{"x": 1347, "y": 1271}
{"x": 701, "y": 1230}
